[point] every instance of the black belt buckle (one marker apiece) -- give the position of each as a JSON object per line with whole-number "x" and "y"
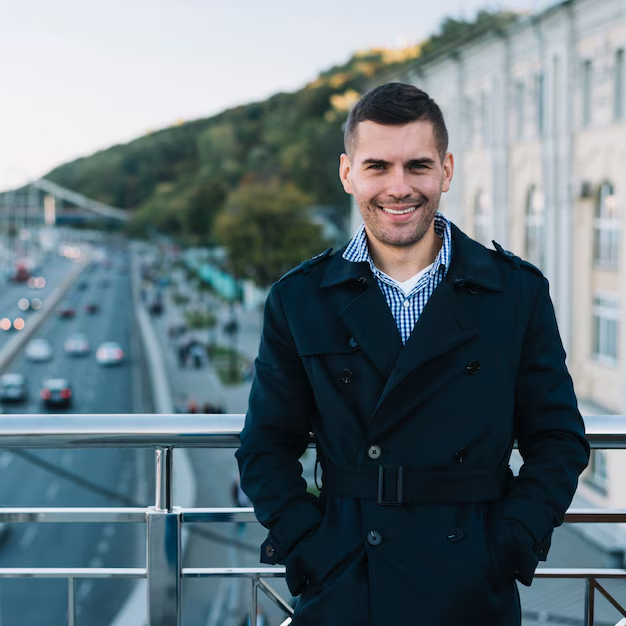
{"x": 381, "y": 485}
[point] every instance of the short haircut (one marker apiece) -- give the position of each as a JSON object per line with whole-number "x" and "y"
{"x": 396, "y": 104}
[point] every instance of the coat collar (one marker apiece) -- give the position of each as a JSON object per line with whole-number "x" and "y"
{"x": 471, "y": 263}
{"x": 443, "y": 325}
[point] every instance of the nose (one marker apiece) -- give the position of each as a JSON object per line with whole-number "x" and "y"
{"x": 399, "y": 186}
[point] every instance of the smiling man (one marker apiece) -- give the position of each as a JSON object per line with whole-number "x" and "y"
{"x": 416, "y": 356}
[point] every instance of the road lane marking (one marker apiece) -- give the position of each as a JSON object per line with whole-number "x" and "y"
{"x": 5, "y": 459}
{"x": 28, "y": 537}
{"x": 51, "y": 491}
{"x": 103, "y": 547}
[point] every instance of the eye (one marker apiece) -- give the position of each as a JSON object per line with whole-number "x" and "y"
{"x": 376, "y": 166}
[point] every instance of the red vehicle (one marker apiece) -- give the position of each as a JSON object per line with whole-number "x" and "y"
{"x": 21, "y": 273}
{"x": 66, "y": 311}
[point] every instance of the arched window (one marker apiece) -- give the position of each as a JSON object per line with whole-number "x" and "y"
{"x": 606, "y": 228}
{"x": 534, "y": 245}
{"x": 482, "y": 219}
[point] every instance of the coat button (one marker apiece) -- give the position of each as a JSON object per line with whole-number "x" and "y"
{"x": 270, "y": 551}
{"x": 346, "y": 376}
{"x": 472, "y": 367}
{"x": 456, "y": 536}
{"x": 352, "y": 342}
{"x": 374, "y": 452}
{"x": 460, "y": 455}
{"x": 374, "y": 538}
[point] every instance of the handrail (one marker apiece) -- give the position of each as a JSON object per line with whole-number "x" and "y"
{"x": 164, "y": 571}
{"x": 175, "y": 430}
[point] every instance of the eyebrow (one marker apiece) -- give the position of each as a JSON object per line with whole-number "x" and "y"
{"x": 423, "y": 161}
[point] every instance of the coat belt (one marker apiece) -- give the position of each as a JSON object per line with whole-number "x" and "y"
{"x": 397, "y": 484}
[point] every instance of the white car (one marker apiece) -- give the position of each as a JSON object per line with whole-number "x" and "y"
{"x": 77, "y": 345}
{"x": 38, "y": 350}
{"x": 110, "y": 353}
{"x": 13, "y": 388}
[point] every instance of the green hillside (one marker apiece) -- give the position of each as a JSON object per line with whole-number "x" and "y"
{"x": 179, "y": 179}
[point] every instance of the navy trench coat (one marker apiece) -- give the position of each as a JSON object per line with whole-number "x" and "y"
{"x": 419, "y": 520}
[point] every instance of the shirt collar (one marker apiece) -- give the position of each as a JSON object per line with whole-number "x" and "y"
{"x": 357, "y": 250}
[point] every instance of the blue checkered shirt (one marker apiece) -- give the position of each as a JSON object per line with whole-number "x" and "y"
{"x": 406, "y": 309}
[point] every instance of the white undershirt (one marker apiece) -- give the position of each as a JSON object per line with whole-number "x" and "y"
{"x": 407, "y": 285}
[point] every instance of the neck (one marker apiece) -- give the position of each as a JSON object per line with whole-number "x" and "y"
{"x": 401, "y": 263}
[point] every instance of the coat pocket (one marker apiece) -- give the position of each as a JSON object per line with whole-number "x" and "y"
{"x": 315, "y": 589}
{"x": 498, "y": 568}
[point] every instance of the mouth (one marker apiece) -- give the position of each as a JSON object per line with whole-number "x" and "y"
{"x": 403, "y": 211}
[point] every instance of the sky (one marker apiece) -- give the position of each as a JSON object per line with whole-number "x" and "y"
{"x": 78, "y": 76}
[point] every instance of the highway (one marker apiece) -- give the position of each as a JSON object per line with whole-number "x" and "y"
{"x": 127, "y": 473}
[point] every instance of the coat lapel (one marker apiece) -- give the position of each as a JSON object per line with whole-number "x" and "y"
{"x": 442, "y": 326}
{"x": 361, "y": 305}
{"x": 445, "y": 323}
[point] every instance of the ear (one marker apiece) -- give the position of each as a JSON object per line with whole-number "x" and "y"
{"x": 344, "y": 173}
{"x": 448, "y": 171}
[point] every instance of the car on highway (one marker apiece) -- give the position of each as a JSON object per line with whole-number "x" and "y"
{"x": 109, "y": 353}
{"x": 92, "y": 307}
{"x": 13, "y": 387}
{"x": 66, "y": 311}
{"x": 56, "y": 392}
{"x": 38, "y": 350}
{"x": 77, "y": 345}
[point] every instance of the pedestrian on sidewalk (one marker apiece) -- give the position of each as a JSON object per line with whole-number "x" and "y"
{"x": 416, "y": 356}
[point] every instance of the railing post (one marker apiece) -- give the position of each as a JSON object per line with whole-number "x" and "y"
{"x": 254, "y": 602}
{"x": 71, "y": 601}
{"x": 164, "y": 458}
{"x": 589, "y": 602}
{"x": 163, "y": 550}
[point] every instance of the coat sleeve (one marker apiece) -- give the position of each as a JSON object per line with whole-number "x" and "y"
{"x": 551, "y": 439}
{"x": 275, "y": 435}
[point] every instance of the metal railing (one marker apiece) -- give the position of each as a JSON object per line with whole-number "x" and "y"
{"x": 164, "y": 571}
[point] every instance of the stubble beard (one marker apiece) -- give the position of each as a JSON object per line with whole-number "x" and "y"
{"x": 400, "y": 235}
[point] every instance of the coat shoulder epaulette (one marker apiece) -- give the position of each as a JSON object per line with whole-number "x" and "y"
{"x": 516, "y": 261}
{"x": 306, "y": 266}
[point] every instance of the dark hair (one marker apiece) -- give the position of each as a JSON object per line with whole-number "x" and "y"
{"x": 396, "y": 104}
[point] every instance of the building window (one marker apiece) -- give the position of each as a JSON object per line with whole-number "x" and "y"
{"x": 605, "y": 328}
{"x": 519, "y": 110}
{"x": 482, "y": 219}
{"x": 587, "y": 92}
{"x": 606, "y": 228}
{"x": 619, "y": 84}
{"x": 484, "y": 118}
{"x": 470, "y": 120}
{"x": 596, "y": 474}
{"x": 539, "y": 103}
{"x": 534, "y": 249}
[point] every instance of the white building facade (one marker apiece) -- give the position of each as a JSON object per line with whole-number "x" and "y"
{"x": 536, "y": 115}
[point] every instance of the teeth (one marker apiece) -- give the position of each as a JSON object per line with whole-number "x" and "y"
{"x": 391, "y": 212}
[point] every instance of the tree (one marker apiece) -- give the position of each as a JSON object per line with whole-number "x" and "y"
{"x": 266, "y": 231}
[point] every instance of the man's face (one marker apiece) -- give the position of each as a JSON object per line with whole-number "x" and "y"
{"x": 397, "y": 177}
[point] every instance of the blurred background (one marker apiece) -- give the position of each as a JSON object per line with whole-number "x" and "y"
{"x": 176, "y": 159}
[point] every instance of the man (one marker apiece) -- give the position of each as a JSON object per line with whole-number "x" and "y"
{"x": 416, "y": 356}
